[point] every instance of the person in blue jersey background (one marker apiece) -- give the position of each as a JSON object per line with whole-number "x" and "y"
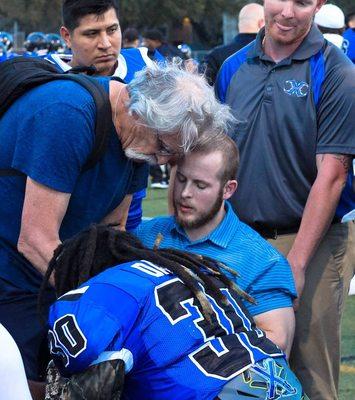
{"x": 175, "y": 319}
{"x": 91, "y": 29}
{"x": 349, "y": 35}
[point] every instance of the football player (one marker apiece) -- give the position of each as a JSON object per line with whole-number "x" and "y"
{"x": 36, "y": 44}
{"x": 173, "y": 324}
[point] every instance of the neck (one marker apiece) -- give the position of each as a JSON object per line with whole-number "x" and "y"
{"x": 279, "y": 51}
{"x": 73, "y": 63}
{"x": 198, "y": 233}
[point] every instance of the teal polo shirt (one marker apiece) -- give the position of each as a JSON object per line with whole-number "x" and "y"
{"x": 264, "y": 273}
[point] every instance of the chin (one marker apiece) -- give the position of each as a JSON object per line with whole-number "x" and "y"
{"x": 105, "y": 68}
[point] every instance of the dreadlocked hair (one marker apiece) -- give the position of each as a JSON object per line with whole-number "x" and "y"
{"x": 100, "y": 247}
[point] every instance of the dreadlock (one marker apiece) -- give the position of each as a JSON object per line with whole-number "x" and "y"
{"x": 100, "y": 247}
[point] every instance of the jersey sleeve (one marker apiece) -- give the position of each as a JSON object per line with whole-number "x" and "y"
{"x": 85, "y": 322}
{"x": 272, "y": 288}
{"x": 337, "y": 107}
{"x": 54, "y": 143}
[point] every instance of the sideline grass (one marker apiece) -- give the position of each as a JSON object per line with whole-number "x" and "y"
{"x": 156, "y": 204}
{"x": 347, "y": 368}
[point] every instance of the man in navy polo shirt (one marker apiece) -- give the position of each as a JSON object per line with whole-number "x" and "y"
{"x": 294, "y": 98}
{"x": 204, "y": 223}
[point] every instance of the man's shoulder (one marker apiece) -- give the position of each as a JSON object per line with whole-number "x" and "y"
{"x": 224, "y": 50}
{"x": 148, "y": 230}
{"x": 163, "y": 221}
{"x": 229, "y": 68}
{"x": 249, "y": 241}
{"x": 336, "y": 61}
{"x": 63, "y": 93}
{"x": 239, "y": 57}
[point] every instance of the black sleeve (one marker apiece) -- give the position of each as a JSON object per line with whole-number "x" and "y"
{"x": 212, "y": 66}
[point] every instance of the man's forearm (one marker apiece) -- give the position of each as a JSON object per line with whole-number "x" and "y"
{"x": 279, "y": 326}
{"x": 317, "y": 216}
{"x": 37, "y": 250}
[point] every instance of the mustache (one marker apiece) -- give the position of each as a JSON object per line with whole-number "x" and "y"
{"x": 135, "y": 155}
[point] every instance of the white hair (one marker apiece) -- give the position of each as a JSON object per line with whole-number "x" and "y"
{"x": 169, "y": 100}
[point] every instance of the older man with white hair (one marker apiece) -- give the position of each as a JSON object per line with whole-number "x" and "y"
{"x": 50, "y": 197}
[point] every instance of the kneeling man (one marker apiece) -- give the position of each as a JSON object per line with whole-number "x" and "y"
{"x": 204, "y": 223}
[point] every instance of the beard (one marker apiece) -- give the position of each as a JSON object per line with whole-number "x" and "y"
{"x": 201, "y": 218}
{"x": 136, "y": 156}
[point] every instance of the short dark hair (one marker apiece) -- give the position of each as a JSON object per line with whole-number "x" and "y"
{"x": 74, "y": 10}
{"x": 154, "y": 34}
{"x": 230, "y": 155}
{"x": 130, "y": 35}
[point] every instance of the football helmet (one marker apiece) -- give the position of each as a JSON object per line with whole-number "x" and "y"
{"x": 36, "y": 41}
{"x": 7, "y": 40}
{"x": 55, "y": 43}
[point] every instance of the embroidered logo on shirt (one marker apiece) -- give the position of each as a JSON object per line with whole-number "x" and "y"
{"x": 296, "y": 88}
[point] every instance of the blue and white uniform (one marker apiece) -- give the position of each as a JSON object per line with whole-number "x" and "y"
{"x": 145, "y": 314}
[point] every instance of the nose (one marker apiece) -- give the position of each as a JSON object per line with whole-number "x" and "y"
{"x": 104, "y": 42}
{"x": 287, "y": 10}
{"x": 186, "y": 191}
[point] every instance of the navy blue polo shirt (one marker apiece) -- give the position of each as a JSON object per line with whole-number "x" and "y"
{"x": 279, "y": 131}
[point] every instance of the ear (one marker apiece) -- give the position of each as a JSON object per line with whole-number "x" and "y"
{"x": 261, "y": 23}
{"x": 65, "y": 34}
{"x": 229, "y": 188}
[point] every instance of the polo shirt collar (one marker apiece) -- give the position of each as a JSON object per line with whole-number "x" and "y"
{"x": 311, "y": 44}
{"x": 221, "y": 235}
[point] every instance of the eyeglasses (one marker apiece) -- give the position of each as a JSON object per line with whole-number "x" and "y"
{"x": 166, "y": 151}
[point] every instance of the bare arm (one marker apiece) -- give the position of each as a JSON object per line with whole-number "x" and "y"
{"x": 279, "y": 327}
{"x": 42, "y": 215}
{"x": 318, "y": 213}
{"x": 120, "y": 214}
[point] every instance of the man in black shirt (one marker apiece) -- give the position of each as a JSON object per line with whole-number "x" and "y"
{"x": 250, "y": 20}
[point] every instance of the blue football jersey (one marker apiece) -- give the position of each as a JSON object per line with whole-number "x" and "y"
{"x": 148, "y": 315}
{"x": 60, "y": 60}
{"x": 131, "y": 61}
{"x": 128, "y": 63}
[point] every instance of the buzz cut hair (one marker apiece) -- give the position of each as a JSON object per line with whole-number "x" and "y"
{"x": 74, "y": 10}
{"x": 229, "y": 150}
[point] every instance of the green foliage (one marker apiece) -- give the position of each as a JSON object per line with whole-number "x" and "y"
{"x": 44, "y": 15}
{"x": 150, "y": 13}
{"x": 155, "y": 203}
{"x": 32, "y": 15}
{"x": 347, "y": 375}
{"x": 205, "y": 15}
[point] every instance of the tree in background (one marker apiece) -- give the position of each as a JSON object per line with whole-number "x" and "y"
{"x": 205, "y": 15}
